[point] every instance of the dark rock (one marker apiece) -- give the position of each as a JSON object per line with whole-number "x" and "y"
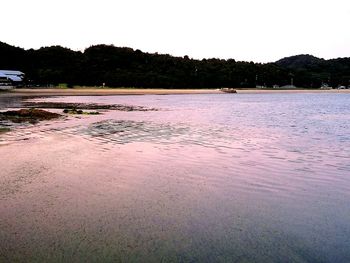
{"x": 86, "y": 106}
{"x": 28, "y": 115}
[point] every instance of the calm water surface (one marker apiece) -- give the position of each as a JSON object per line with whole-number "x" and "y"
{"x": 206, "y": 178}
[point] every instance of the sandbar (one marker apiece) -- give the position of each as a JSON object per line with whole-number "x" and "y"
{"x": 109, "y": 91}
{"x": 135, "y": 91}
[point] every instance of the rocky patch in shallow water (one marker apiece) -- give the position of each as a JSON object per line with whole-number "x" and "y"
{"x": 28, "y": 115}
{"x": 80, "y": 112}
{"x": 86, "y": 106}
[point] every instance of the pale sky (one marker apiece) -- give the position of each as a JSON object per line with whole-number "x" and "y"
{"x": 250, "y": 30}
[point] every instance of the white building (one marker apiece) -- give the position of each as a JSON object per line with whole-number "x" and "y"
{"x": 288, "y": 87}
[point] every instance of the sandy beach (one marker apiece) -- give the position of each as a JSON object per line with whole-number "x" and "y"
{"x": 126, "y": 91}
{"x": 110, "y": 91}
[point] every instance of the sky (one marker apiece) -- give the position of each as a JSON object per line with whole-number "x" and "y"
{"x": 248, "y": 30}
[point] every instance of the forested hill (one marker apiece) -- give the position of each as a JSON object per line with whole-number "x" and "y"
{"x": 309, "y": 68}
{"x": 298, "y": 62}
{"x": 125, "y": 67}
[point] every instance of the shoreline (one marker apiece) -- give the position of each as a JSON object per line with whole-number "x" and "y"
{"x": 291, "y": 91}
{"x": 108, "y": 92}
{"x": 125, "y": 91}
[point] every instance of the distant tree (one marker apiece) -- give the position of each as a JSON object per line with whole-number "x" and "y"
{"x": 124, "y": 67}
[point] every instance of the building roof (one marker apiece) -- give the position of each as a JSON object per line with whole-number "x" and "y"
{"x": 14, "y": 78}
{"x": 11, "y": 72}
{"x": 13, "y": 75}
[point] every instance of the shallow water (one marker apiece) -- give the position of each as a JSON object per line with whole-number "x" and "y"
{"x": 207, "y": 178}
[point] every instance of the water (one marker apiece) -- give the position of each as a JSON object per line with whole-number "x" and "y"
{"x": 207, "y": 178}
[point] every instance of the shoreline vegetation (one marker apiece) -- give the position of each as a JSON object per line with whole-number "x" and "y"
{"x": 92, "y": 91}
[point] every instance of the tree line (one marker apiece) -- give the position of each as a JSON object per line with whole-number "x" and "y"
{"x": 125, "y": 67}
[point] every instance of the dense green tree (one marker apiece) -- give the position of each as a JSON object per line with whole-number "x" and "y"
{"x": 125, "y": 67}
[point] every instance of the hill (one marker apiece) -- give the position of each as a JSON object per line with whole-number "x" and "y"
{"x": 299, "y": 62}
{"x": 310, "y": 69}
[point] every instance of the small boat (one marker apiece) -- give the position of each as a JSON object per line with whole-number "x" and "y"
{"x": 228, "y": 90}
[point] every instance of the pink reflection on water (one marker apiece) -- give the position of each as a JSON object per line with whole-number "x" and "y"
{"x": 133, "y": 183}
